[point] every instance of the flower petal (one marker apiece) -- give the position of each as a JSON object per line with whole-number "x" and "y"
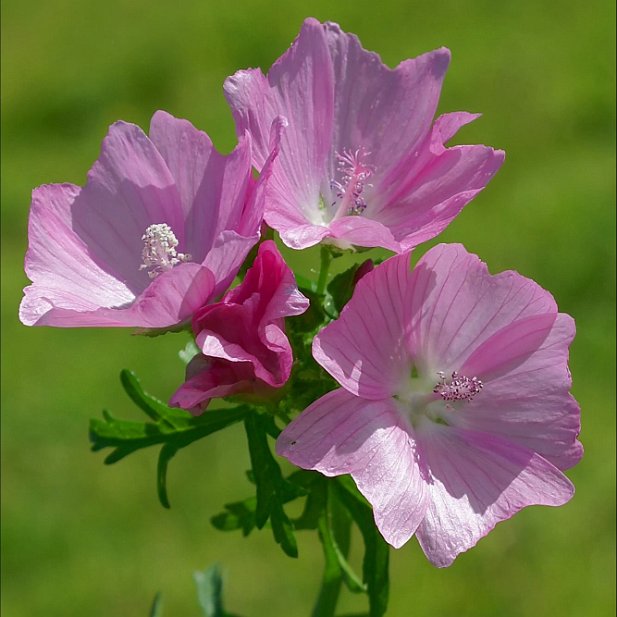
{"x": 368, "y": 109}
{"x": 248, "y": 325}
{"x": 365, "y": 349}
{"x": 66, "y": 282}
{"x": 341, "y": 433}
{"x": 477, "y": 481}
{"x": 362, "y": 231}
{"x": 299, "y": 86}
{"x": 456, "y": 305}
{"x": 213, "y": 188}
{"x": 421, "y": 204}
{"x": 129, "y": 188}
{"x": 207, "y": 379}
{"x": 526, "y": 397}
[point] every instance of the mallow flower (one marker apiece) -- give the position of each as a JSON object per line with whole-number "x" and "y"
{"x": 454, "y": 411}
{"x": 361, "y": 162}
{"x": 244, "y": 348}
{"x": 162, "y": 225}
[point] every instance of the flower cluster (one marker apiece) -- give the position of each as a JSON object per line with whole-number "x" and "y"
{"x": 453, "y": 409}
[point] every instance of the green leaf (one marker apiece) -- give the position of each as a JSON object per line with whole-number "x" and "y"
{"x": 157, "y": 606}
{"x": 210, "y": 591}
{"x": 237, "y": 515}
{"x": 153, "y": 407}
{"x": 168, "y": 451}
{"x": 170, "y": 427}
{"x": 305, "y": 284}
{"x": 376, "y": 554}
{"x": 272, "y": 489}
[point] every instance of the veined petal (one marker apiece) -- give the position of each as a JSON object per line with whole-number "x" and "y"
{"x": 456, "y": 305}
{"x": 365, "y": 349}
{"x": 362, "y": 231}
{"x": 368, "y": 106}
{"x": 526, "y": 395}
{"x": 58, "y": 263}
{"x": 299, "y": 86}
{"x": 213, "y": 188}
{"x": 129, "y": 188}
{"x": 477, "y": 481}
{"x": 419, "y": 207}
{"x": 341, "y": 433}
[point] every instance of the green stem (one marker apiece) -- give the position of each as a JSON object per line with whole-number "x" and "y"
{"x": 326, "y": 258}
{"x": 332, "y": 522}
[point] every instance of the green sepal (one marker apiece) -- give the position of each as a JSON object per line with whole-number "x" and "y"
{"x": 340, "y": 288}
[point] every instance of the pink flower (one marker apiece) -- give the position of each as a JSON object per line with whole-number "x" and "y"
{"x": 162, "y": 225}
{"x": 242, "y": 338}
{"x": 361, "y": 162}
{"x": 455, "y": 410}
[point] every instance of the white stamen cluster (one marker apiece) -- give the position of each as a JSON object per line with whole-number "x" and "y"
{"x": 458, "y": 387}
{"x": 159, "y": 253}
{"x": 355, "y": 173}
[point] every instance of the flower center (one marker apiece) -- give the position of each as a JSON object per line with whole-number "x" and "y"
{"x": 159, "y": 253}
{"x": 419, "y": 401}
{"x": 458, "y": 387}
{"x": 350, "y": 188}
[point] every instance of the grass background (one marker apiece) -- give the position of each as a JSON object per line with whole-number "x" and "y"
{"x": 81, "y": 539}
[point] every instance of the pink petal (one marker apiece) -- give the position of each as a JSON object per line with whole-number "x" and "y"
{"x": 526, "y": 396}
{"x": 456, "y": 305}
{"x": 421, "y": 195}
{"x": 299, "y": 86}
{"x": 128, "y": 189}
{"x": 213, "y": 188}
{"x": 361, "y": 231}
{"x": 207, "y": 379}
{"x": 385, "y": 111}
{"x": 171, "y": 298}
{"x": 419, "y": 206}
{"x": 248, "y": 325}
{"x": 365, "y": 349}
{"x": 65, "y": 279}
{"x": 341, "y": 433}
{"x": 477, "y": 481}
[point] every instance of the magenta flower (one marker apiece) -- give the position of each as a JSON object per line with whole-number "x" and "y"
{"x": 162, "y": 226}
{"x": 242, "y": 338}
{"x": 361, "y": 161}
{"x": 455, "y": 410}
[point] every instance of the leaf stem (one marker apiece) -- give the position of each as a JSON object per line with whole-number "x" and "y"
{"x": 329, "y": 524}
{"x": 326, "y": 258}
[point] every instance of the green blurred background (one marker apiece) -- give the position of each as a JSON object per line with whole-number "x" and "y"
{"x": 82, "y": 539}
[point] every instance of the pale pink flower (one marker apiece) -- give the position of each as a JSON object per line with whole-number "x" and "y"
{"x": 361, "y": 162}
{"x": 162, "y": 226}
{"x": 455, "y": 410}
{"x": 242, "y": 338}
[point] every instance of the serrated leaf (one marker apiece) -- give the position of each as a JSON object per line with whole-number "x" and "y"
{"x": 172, "y": 428}
{"x": 237, "y": 515}
{"x": 152, "y": 406}
{"x": 271, "y": 488}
